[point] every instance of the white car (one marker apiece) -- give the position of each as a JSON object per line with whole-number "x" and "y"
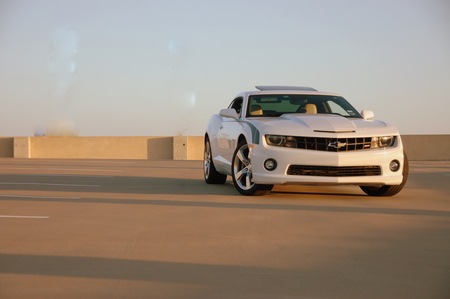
{"x": 281, "y": 135}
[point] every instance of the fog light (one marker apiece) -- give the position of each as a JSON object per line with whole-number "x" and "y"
{"x": 270, "y": 164}
{"x": 394, "y": 165}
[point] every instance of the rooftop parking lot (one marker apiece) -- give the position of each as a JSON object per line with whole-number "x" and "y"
{"x": 155, "y": 229}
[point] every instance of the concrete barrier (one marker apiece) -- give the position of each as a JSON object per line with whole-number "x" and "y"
{"x": 427, "y": 147}
{"x": 418, "y": 147}
{"x": 22, "y": 147}
{"x": 6, "y": 147}
{"x": 188, "y": 148}
{"x": 142, "y": 148}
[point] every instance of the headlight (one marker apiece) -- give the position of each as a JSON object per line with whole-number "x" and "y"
{"x": 279, "y": 140}
{"x": 384, "y": 141}
{"x": 276, "y": 140}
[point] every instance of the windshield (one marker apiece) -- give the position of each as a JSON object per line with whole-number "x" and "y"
{"x": 278, "y": 104}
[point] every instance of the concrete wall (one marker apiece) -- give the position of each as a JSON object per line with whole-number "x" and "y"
{"x": 22, "y": 147}
{"x": 418, "y": 147}
{"x": 188, "y": 148}
{"x": 94, "y": 147}
{"x": 427, "y": 147}
{"x": 141, "y": 148}
{"x": 6, "y": 147}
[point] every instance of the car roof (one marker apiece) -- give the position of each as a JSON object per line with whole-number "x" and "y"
{"x": 262, "y": 88}
{"x": 285, "y": 89}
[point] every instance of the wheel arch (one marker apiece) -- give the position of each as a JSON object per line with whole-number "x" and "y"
{"x": 207, "y": 138}
{"x": 241, "y": 138}
{"x": 211, "y": 175}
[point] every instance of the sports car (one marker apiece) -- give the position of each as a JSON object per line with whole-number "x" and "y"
{"x": 281, "y": 135}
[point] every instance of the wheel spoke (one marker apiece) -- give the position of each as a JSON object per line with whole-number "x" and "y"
{"x": 241, "y": 157}
{"x": 239, "y": 174}
{"x": 242, "y": 169}
{"x": 206, "y": 169}
{"x": 248, "y": 183}
{"x": 207, "y": 162}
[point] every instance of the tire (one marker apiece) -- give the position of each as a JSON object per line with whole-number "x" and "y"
{"x": 242, "y": 173}
{"x": 389, "y": 190}
{"x": 212, "y": 176}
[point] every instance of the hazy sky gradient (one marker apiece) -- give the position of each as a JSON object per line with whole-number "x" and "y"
{"x": 154, "y": 68}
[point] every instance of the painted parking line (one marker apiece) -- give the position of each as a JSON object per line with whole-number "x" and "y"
{"x": 97, "y": 161}
{"x": 31, "y": 196}
{"x": 24, "y": 217}
{"x": 47, "y": 184}
{"x": 62, "y": 175}
{"x": 63, "y": 169}
{"x": 74, "y": 175}
{"x": 75, "y": 169}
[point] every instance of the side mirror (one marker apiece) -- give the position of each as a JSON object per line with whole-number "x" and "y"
{"x": 230, "y": 113}
{"x": 367, "y": 114}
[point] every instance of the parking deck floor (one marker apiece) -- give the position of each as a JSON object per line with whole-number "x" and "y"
{"x": 154, "y": 229}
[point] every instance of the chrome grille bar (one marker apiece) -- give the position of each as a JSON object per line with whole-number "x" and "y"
{"x": 333, "y": 144}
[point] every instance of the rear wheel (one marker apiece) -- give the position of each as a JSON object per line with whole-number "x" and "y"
{"x": 242, "y": 173}
{"x": 212, "y": 176}
{"x": 389, "y": 190}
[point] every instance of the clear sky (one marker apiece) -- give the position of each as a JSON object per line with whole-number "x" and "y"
{"x": 155, "y": 68}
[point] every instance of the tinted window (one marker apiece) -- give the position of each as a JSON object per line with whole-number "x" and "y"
{"x": 236, "y": 105}
{"x": 276, "y": 105}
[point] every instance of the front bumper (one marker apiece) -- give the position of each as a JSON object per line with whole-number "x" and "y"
{"x": 285, "y": 157}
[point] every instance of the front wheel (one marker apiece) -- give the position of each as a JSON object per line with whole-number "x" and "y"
{"x": 242, "y": 172}
{"x": 389, "y": 190}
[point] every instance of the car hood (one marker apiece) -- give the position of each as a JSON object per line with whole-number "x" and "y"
{"x": 311, "y": 125}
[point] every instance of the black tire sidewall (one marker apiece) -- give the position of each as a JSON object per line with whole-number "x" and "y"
{"x": 214, "y": 176}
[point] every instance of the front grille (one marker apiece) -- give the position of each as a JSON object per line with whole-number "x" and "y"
{"x": 336, "y": 171}
{"x": 333, "y": 144}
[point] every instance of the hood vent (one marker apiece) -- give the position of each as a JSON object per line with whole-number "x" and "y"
{"x": 323, "y": 131}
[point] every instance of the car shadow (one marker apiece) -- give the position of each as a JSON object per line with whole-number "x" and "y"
{"x": 141, "y": 185}
{"x": 193, "y": 193}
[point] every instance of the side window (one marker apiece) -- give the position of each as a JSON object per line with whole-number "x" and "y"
{"x": 236, "y": 105}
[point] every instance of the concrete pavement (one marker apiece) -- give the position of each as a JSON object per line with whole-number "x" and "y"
{"x": 154, "y": 229}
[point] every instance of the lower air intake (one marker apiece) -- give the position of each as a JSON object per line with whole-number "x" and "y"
{"x": 336, "y": 171}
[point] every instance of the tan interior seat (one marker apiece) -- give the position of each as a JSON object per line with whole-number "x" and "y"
{"x": 256, "y": 110}
{"x": 311, "y": 109}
